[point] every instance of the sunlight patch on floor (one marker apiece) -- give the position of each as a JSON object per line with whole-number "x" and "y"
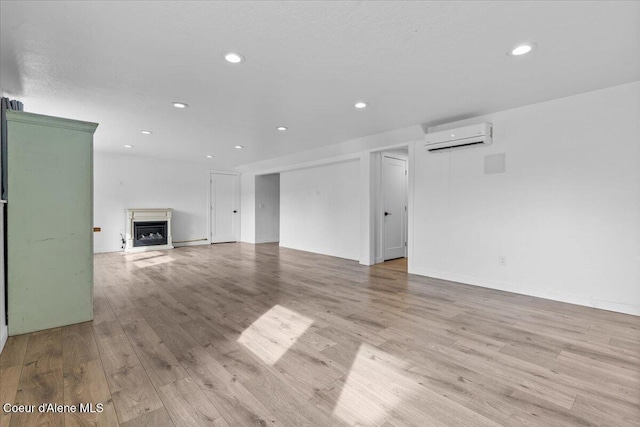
{"x": 375, "y": 385}
{"x": 151, "y": 261}
{"x": 271, "y": 335}
{"x": 136, "y": 256}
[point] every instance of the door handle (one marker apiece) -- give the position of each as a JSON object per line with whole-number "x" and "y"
{"x": 387, "y": 213}
{"x": 235, "y": 211}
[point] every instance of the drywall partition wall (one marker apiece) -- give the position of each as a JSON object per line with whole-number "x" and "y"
{"x": 564, "y": 218}
{"x": 320, "y": 209}
{"x": 346, "y": 150}
{"x": 267, "y": 208}
{"x": 122, "y": 182}
{"x": 248, "y": 208}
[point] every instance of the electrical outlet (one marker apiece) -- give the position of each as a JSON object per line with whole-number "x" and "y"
{"x": 503, "y": 260}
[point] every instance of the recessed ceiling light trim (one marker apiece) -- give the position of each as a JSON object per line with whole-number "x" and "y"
{"x": 522, "y": 49}
{"x": 233, "y": 57}
{"x": 180, "y": 105}
{"x": 361, "y": 105}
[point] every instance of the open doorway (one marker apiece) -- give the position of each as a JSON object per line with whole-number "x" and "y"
{"x": 391, "y": 214}
{"x": 268, "y": 208}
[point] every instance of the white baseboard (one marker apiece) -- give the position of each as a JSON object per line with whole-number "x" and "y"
{"x": 4, "y": 334}
{"x": 534, "y": 292}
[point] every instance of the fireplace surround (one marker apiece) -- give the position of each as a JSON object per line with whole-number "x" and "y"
{"x": 148, "y": 229}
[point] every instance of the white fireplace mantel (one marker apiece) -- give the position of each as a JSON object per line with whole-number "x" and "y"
{"x": 146, "y": 214}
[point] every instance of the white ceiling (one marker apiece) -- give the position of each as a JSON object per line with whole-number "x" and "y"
{"x": 122, "y": 64}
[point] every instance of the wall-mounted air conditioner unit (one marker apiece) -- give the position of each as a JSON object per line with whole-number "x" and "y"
{"x": 481, "y": 134}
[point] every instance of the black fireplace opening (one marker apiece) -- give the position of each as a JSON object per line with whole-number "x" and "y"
{"x": 149, "y": 233}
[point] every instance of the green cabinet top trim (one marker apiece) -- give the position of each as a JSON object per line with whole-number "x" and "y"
{"x": 56, "y": 122}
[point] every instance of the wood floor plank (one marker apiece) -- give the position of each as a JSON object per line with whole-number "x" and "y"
{"x": 188, "y": 406}
{"x": 124, "y": 309}
{"x": 155, "y": 418}
{"x": 161, "y": 365}
{"x": 41, "y": 379}
{"x": 102, "y": 311}
{"x": 44, "y": 350}
{"x": 169, "y": 330}
{"x": 285, "y": 403}
{"x": 236, "y": 359}
{"x": 36, "y": 387}
{"x": 526, "y": 376}
{"x": 9, "y": 379}
{"x": 632, "y": 346}
{"x": 78, "y": 344}
{"x": 85, "y": 383}
{"x": 13, "y": 352}
{"x": 116, "y": 353}
{"x": 132, "y": 393}
{"x": 236, "y": 404}
{"x": 607, "y": 413}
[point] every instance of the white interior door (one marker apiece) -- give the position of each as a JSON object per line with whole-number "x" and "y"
{"x": 225, "y": 212}
{"x": 394, "y": 207}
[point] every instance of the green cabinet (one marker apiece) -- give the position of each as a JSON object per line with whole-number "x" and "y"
{"x": 49, "y": 222}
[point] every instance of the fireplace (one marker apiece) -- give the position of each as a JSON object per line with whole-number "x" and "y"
{"x": 149, "y": 233}
{"x": 148, "y": 229}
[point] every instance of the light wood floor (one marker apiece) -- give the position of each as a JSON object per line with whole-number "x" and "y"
{"x": 398, "y": 264}
{"x": 239, "y": 335}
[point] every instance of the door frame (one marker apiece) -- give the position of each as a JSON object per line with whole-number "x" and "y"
{"x": 381, "y": 224}
{"x": 210, "y": 206}
{"x": 370, "y": 165}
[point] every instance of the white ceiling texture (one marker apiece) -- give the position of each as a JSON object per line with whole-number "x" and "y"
{"x": 122, "y": 64}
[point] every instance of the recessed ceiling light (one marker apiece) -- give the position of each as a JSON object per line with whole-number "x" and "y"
{"x": 146, "y": 132}
{"x": 180, "y": 105}
{"x": 282, "y": 128}
{"x": 233, "y": 57}
{"x": 522, "y": 49}
{"x": 360, "y": 105}
{"x": 209, "y": 156}
{"x": 239, "y": 146}
{"x": 128, "y": 146}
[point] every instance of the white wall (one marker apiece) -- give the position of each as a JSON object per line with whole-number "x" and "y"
{"x": 267, "y": 208}
{"x": 320, "y": 209}
{"x": 248, "y": 208}
{"x": 4, "y": 332}
{"x": 122, "y": 182}
{"x": 566, "y": 214}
